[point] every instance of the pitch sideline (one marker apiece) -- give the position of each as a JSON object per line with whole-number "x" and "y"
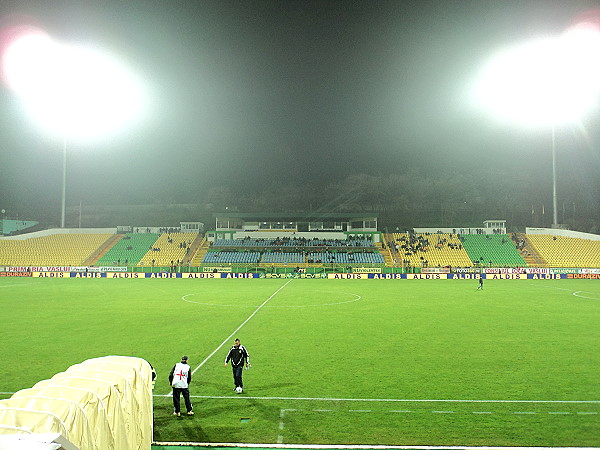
{"x": 386, "y": 400}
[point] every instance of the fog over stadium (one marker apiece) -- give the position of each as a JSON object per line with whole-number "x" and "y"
{"x": 304, "y": 106}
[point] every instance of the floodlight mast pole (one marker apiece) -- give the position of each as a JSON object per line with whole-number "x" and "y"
{"x": 554, "y": 198}
{"x": 64, "y": 183}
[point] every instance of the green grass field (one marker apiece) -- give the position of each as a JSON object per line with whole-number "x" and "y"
{"x": 395, "y": 362}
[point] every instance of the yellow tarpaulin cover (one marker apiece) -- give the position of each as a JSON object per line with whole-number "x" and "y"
{"x": 109, "y": 397}
{"x": 70, "y": 413}
{"x": 102, "y": 403}
{"x": 89, "y": 401}
{"x": 139, "y": 374}
{"x": 129, "y": 402}
{"x": 30, "y": 420}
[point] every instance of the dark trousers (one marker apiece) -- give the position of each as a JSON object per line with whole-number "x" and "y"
{"x": 177, "y": 399}
{"x": 237, "y": 376}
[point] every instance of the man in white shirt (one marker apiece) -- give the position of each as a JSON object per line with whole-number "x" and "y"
{"x": 180, "y": 378}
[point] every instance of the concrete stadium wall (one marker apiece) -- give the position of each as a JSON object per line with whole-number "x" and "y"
{"x": 52, "y": 231}
{"x": 565, "y": 233}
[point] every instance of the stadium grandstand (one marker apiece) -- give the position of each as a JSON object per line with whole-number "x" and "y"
{"x": 275, "y": 243}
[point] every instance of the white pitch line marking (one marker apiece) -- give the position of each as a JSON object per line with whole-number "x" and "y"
{"x": 356, "y": 299}
{"x": 282, "y": 413}
{"x": 236, "y": 330}
{"x": 576, "y": 294}
{"x": 358, "y": 447}
{"x": 240, "y": 327}
{"x": 389, "y": 400}
{"x": 15, "y": 285}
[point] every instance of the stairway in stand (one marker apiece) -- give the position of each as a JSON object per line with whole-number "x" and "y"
{"x": 385, "y": 252}
{"x": 103, "y": 249}
{"x": 199, "y": 249}
{"x": 530, "y": 255}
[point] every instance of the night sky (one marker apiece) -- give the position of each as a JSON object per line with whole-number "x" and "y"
{"x": 248, "y": 95}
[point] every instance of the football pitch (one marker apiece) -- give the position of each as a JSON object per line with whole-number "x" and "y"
{"x": 373, "y": 362}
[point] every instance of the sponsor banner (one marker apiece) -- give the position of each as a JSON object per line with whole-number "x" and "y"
{"x": 293, "y": 275}
{"x": 506, "y": 276}
{"x": 387, "y": 276}
{"x": 240, "y": 275}
{"x": 313, "y": 275}
{"x": 366, "y": 270}
{"x": 347, "y": 276}
{"x": 217, "y": 269}
{"x": 426, "y": 276}
{"x": 588, "y": 276}
{"x": 51, "y": 269}
{"x": 537, "y": 270}
{"x": 503, "y": 270}
{"x": 98, "y": 269}
{"x": 124, "y": 275}
{"x": 205, "y": 276}
{"x": 50, "y": 274}
{"x": 113, "y": 269}
{"x": 465, "y": 276}
{"x": 564, "y": 270}
{"x": 545, "y": 276}
{"x": 435, "y": 270}
{"x": 595, "y": 271}
{"x": 466, "y": 270}
{"x": 162, "y": 275}
{"x": 38, "y": 269}
{"x": 88, "y": 274}
{"x": 331, "y": 276}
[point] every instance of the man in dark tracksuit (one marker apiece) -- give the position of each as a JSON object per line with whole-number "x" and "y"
{"x": 238, "y": 355}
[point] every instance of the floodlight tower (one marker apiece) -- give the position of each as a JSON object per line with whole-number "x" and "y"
{"x": 547, "y": 82}
{"x": 73, "y": 91}
{"x": 63, "y": 201}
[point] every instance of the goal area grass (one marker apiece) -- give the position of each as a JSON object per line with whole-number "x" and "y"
{"x": 339, "y": 362}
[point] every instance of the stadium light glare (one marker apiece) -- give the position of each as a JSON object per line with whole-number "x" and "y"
{"x": 74, "y": 91}
{"x": 545, "y": 82}
{"x": 71, "y": 89}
